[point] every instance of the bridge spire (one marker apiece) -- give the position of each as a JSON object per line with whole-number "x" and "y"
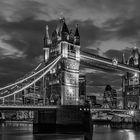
{"x": 64, "y": 27}
{"x": 135, "y": 55}
{"x": 71, "y": 36}
{"x": 123, "y": 59}
{"x": 47, "y": 40}
{"x": 47, "y": 44}
{"x": 62, "y": 31}
{"x": 77, "y": 36}
{"x": 65, "y": 31}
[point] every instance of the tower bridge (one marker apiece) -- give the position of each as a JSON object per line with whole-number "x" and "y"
{"x": 54, "y": 83}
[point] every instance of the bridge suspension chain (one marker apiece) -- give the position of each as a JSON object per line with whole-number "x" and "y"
{"x": 19, "y": 89}
{"x": 30, "y": 76}
{"x": 20, "y": 79}
{"x": 15, "y": 85}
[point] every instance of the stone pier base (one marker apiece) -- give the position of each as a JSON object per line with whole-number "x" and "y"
{"x": 64, "y": 119}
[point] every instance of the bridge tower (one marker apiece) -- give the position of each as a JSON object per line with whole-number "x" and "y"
{"x": 63, "y": 80}
{"x": 130, "y": 82}
{"x": 63, "y": 85}
{"x": 70, "y": 66}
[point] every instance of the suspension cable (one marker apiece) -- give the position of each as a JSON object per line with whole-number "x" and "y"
{"x": 54, "y": 63}
{"x": 26, "y": 77}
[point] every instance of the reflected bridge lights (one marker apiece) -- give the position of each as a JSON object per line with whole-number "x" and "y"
{"x": 136, "y": 75}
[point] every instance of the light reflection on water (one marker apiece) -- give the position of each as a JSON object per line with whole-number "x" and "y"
{"x": 23, "y": 131}
{"x": 106, "y": 133}
{"x": 128, "y": 135}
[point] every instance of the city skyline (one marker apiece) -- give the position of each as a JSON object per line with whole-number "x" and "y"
{"x": 107, "y": 28}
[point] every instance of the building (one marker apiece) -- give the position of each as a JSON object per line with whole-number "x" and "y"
{"x": 110, "y": 97}
{"x": 92, "y": 100}
{"x": 82, "y": 89}
{"x": 82, "y": 85}
{"x": 130, "y": 82}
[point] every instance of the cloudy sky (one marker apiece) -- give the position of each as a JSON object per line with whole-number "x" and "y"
{"x": 107, "y": 28}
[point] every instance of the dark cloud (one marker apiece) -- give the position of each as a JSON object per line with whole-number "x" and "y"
{"x": 124, "y": 28}
{"x": 89, "y": 33}
{"x": 114, "y": 53}
{"x": 92, "y": 35}
{"x": 119, "y": 20}
{"x": 98, "y": 81}
{"x": 26, "y": 35}
{"x": 129, "y": 28}
{"x": 19, "y": 10}
{"x": 12, "y": 69}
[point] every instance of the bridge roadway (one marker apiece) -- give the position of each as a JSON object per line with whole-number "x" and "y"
{"x": 42, "y": 107}
{"x": 27, "y": 107}
{"x": 111, "y": 110}
{"x": 32, "y": 107}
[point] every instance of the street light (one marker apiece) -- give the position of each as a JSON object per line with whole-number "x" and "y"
{"x": 131, "y": 112}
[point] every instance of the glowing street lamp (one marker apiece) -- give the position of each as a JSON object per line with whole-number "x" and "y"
{"x": 135, "y": 74}
{"x": 131, "y": 112}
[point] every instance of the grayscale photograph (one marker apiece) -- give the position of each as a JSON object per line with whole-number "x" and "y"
{"x": 69, "y": 69}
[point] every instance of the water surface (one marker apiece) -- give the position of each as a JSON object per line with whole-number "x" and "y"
{"x": 23, "y": 131}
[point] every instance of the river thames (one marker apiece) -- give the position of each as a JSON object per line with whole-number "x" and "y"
{"x": 23, "y": 131}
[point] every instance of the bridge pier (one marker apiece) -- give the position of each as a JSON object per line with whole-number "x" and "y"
{"x": 65, "y": 119}
{"x": 44, "y": 121}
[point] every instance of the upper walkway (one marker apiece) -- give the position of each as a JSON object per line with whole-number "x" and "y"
{"x": 108, "y": 65}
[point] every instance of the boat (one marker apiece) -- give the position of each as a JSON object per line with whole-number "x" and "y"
{"x": 124, "y": 121}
